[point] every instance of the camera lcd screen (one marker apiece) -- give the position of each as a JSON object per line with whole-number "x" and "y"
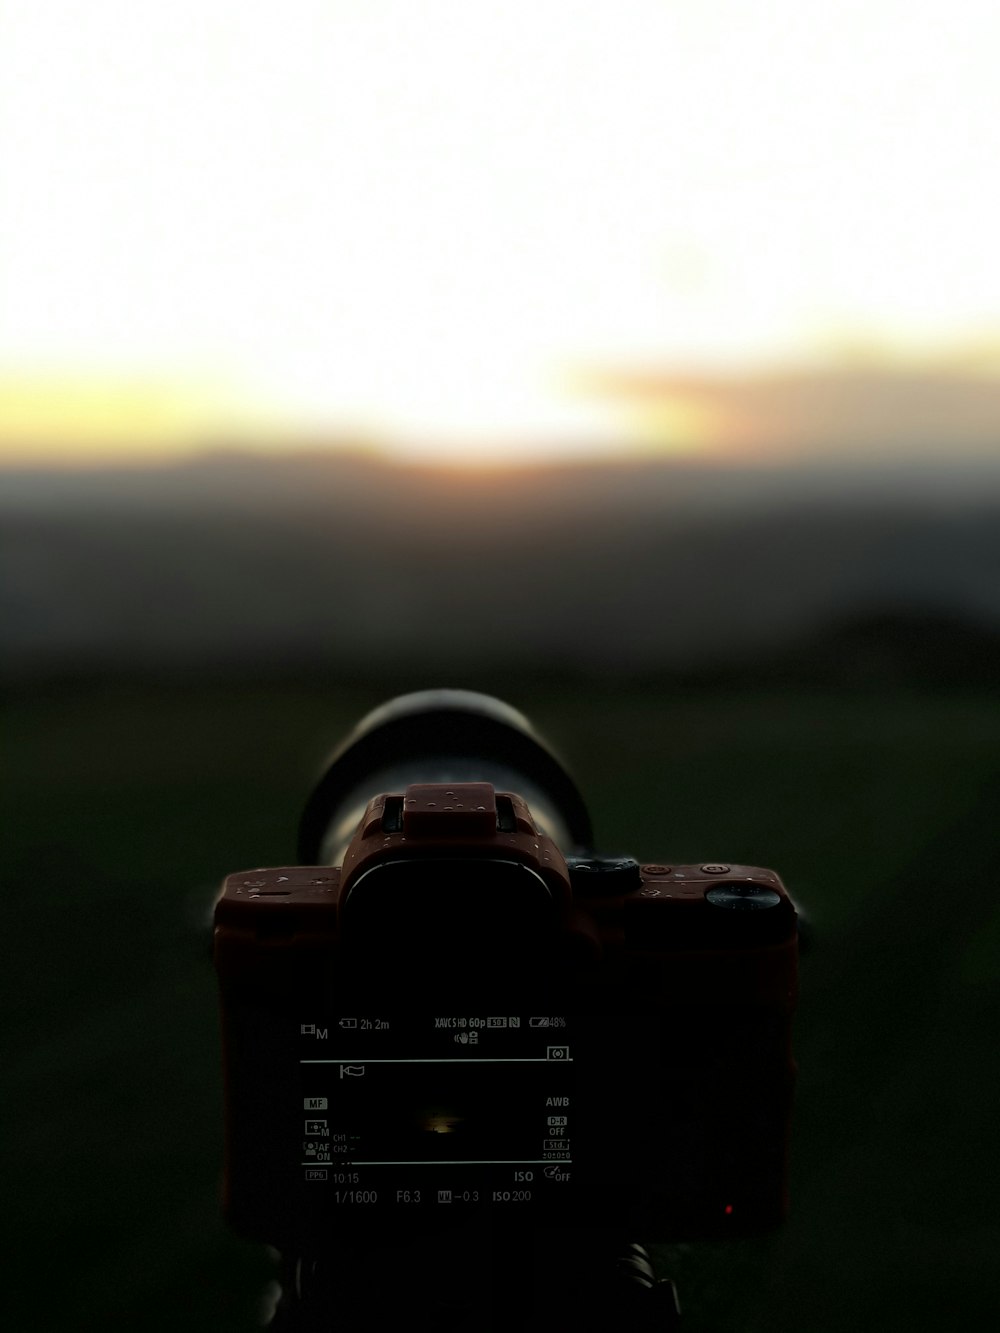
{"x": 423, "y": 1110}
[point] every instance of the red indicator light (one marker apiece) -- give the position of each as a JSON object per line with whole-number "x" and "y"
{"x": 728, "y": 1210}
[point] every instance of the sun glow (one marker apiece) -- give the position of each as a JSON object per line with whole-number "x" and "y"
{"x": 426, "y": 225}
{"x": 64, "y": 418}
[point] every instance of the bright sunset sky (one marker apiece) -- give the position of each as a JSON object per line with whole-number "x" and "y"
{"x": 440, "y": 223}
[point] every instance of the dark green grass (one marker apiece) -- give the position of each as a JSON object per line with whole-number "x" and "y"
{"x": 129, "y": 801}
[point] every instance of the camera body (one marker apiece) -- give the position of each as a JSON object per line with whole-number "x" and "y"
{"x": 462, "y": 1020}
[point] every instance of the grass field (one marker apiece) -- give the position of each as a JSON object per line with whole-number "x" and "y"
{"x": 129, "y": 800}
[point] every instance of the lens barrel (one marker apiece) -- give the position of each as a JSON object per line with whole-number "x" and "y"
{"x": 440, "y": 736}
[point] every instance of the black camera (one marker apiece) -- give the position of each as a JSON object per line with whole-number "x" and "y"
{"x": 454, "y": 1009}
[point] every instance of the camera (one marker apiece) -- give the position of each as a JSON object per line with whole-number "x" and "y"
{"x": 453, "y": 1007}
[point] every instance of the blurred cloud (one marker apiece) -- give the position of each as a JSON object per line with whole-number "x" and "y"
{"x": 861, "y": 412}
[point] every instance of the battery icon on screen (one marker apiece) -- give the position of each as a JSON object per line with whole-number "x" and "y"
{"x": 538, "y": 1022}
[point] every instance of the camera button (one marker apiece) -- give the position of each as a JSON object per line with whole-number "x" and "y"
{"x": 713, "y": 868}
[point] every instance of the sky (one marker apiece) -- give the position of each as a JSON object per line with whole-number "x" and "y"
{"x": 489, "y": 230}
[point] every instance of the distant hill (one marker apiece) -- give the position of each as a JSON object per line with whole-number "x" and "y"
{"x": 234, "y": 477}
{"x": 236, "y": 560}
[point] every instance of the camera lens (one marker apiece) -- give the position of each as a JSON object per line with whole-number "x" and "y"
{"x": 439, "y": 736}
